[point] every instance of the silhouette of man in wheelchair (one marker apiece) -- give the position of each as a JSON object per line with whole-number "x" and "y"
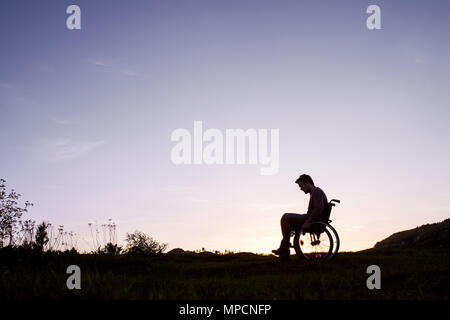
{"x": 314, "y": 237}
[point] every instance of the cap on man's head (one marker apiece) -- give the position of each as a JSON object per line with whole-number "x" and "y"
{"x": 304, "y": 178}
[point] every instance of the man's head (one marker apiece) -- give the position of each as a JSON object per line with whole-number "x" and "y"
{"x": 306, "y": 183}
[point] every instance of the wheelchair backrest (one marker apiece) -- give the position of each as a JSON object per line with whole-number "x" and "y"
{"x": 327, "y": 212}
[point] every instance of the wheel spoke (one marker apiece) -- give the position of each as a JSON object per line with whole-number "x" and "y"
{"x": 318, "y": 245}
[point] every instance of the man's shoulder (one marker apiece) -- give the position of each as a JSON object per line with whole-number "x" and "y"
{"x": 318, "y": 192}
{"x": 317, "y": 189}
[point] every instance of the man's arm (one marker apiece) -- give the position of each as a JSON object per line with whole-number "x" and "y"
{"x": 317, "y": 209}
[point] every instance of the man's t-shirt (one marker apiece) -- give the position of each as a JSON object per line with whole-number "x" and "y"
{"x": 317, "y": 197}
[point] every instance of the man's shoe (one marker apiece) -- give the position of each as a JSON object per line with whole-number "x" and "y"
{"x": 282, "y": 252}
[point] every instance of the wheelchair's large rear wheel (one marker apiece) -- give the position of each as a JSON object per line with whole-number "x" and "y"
{"x": 321, "y": 242}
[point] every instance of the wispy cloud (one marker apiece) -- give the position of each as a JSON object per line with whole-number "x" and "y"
{"x": 4, "y": 85}
{"x": 15, "y": 99}
{"x": 114, "y": 67}
{"x": 190, "y": 194}
{"x": 46, "y": 68}
{"x": 60, "y": 121}
{"x": 419, "y": 59}
{"x": 101, "y": 63}
{"x": 65, "y": 149}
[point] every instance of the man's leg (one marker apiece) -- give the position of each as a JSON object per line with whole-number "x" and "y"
{"x": 289, "y": 222}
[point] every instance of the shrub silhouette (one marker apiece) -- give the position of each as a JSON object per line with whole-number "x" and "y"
{"x": 41, "y": 237}
{"x": 109, "y": 249}
{"x": 139, "y": 243}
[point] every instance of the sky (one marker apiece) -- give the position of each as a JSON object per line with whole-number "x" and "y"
{"x": 86, "y": 116}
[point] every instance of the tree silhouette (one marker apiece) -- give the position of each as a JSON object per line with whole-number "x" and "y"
{"x": 139, "y": 243}
{"x": 10, "y": 214}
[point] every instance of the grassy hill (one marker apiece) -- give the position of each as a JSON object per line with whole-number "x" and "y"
{"x": 405, "y": 274}
{"x": 430, "y": 235}
{"x": 420, "y": 271}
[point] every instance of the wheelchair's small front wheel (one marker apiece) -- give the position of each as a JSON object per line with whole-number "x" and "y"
{"x": 317, "y": 243}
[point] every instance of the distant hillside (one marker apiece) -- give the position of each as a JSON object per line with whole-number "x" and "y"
{"x": 181, "y": 252}
{"x": 429, "y": 235}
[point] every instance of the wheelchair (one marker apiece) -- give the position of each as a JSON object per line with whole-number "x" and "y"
{"x": 320, "y": 241}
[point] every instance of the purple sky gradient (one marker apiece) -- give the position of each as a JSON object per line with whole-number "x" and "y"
{"x": 86, "y": 115}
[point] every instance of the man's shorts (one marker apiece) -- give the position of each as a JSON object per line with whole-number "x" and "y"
{"x": 295, "y": 220}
